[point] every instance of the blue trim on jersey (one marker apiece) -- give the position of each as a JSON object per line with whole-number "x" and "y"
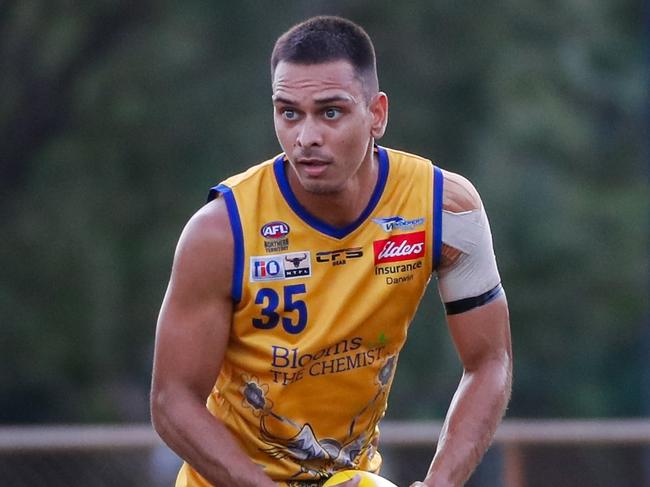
{"x": 462, "y": 305}
{"x": 437, "y": 216}
{"x": 237, "y": 235}
{"x": 214, "y": 192}
{"x": 321, "y": 226}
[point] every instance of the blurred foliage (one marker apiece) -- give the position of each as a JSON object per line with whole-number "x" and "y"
{"x": 117, "y": 116}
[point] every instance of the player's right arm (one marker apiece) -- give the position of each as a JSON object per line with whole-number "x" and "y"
{"x": 191, "y": 339}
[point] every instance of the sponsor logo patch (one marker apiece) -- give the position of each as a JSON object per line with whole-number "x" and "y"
{"x": 398, "y": 223}
{"x": 266, "y": 268}
{"x": 297, "y": 265}
{"x": 274, "y": 230}
{"x": 339, "y": 257}
{"x": 281, "y": 266}
{"x": 408, "y": 246}
{"x": 275, "y": 235}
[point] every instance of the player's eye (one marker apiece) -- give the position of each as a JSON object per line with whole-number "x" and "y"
{"x": 289, "y": 114}
{"x": 332, "y": 113}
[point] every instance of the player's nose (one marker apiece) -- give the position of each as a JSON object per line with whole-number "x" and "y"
{"x": 309, "y": 133}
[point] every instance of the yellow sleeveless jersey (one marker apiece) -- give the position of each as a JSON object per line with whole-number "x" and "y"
{"x": 321, "y": 314}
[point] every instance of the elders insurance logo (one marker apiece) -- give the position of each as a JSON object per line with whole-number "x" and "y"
{"x": 408, "y": 246}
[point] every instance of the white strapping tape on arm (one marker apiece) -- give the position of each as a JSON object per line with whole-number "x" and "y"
{"x": 475, "y": 271}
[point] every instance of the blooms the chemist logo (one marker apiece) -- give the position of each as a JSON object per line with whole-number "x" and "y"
{"x": 408, "y": 246}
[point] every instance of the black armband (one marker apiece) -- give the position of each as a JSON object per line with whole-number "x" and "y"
{"x": 462, "y": 305}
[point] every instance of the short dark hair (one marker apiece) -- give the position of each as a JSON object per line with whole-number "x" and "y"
{"x": 328, "y": 38}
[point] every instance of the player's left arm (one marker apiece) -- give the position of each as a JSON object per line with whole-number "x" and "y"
{"x": 477, "y": 316}
{"x": 482, "y": 339}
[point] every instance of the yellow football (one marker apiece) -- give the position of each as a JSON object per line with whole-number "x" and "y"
{"x": 367, "y": 479}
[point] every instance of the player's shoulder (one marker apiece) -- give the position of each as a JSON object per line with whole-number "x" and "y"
{"x": 212, "y": 216}
{"x": 207, "y": 230}
{"x": 459, "y": 194}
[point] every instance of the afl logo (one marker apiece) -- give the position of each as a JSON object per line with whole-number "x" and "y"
{"x": 275, "y": 230}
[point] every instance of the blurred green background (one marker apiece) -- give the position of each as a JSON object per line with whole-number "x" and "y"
{"x": 116, "y": 117}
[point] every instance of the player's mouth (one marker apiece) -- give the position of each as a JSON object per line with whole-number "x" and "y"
{"x": 313, "y": 167}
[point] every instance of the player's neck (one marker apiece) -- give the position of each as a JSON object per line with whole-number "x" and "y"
{"x": 342, "y": 208}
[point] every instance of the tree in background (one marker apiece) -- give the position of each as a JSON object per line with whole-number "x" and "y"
{"x": 117, "y": 116}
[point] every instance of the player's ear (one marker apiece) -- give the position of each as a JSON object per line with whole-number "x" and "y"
{"x": 378, "y": 108}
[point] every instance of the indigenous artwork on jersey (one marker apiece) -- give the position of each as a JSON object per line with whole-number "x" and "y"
{"x": 319, "y": 457}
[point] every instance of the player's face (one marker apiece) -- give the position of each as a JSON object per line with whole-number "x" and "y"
{"x": 325, "y": 123}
